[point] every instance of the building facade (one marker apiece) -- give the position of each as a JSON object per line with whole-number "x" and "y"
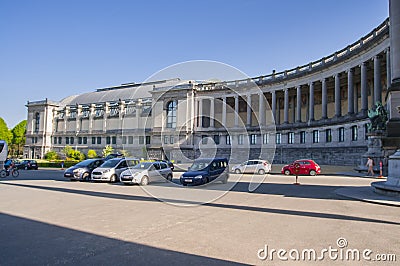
{"x": 318, "y": 110}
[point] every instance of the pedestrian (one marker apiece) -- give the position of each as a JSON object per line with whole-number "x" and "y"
{"x": 370, "y": 164}
{"x": 62, "y": 165}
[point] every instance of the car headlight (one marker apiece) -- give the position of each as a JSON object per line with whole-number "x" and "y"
{"x": 198, "y": 177}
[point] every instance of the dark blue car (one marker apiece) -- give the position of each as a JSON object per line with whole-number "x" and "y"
{"x": 204, "y": 171}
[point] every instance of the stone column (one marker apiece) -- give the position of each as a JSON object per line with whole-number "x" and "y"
{"x": 298, "y": 104}
{"x": 364, "y": 88}
{"x": 224, "y": 111}
{"x": 377, "y": 79}
{"x": 212, "y": 112}
{"x": 311, "y": 103}
{"x": 200, "y": 115}
{"x": 286, "y": 107}
{"x": 292, "y": 100}
{"x": 278, "y": 111}
{"x": 261, "y": 109}
{"x": 350, "y": 91}
{"x": 248, "y": 100}
{"x": 388, "y": 70}
{"x": 236, "y": 110}
{"x": 394, "y": 16}
{"x": 274, "y": 106}
{"x": 356, "y": 99}
{"x": 338, "y": 106}
{"x": 324, "y": 99}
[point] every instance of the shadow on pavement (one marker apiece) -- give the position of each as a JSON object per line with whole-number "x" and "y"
{"x": 47, "y": 244}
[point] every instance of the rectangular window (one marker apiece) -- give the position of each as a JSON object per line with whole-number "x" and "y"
{"x": 141, "y": 140}
{"x": 228, "y": 140}
{"x": 59, "y": 140}
{"x": 98, "y": 140}
{"x": 240, "y": 139}
{"x": 72, "y": 140}
{"x": 341, "y": 134}
{"x": 354, "y": 133}
{"x": 290, "y": 137}
{"x": 328, "y": 135}
{"x": 366, "y": 131}
{"x": 130, "y": 139}
{"x": 203, "y": 139}
{"x": 148, "y": 140}
{"x": 84, "y": 140}
{"x": 79, "y": 140}
{"x": 114, "y": 140}
{"x": 108, "y": 140}
{"x": 216, "y": 139}
{"x": 123, "y": 139}
{"x": 66, "y": 140}
{"x": 166, "y": 139}
{"x": 55, "y": 140}
{"x": 265, "y": 138}
{"x": 302, "y": 137}
{"x": 315, "y": 135}
{"x": 278, "y": 138}
{"x": 171, "y": 140}
{"x": 253, "y": 139}
{"x": 93, "y": 140}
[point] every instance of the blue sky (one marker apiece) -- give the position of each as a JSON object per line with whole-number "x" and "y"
{"x": 53, "y": 49}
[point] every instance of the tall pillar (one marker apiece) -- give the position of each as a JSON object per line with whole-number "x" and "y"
{"x": 248, "y": 100}
{"x": 338, "y": 105}
{"x": 200, "y": 115}
{"x": 278, "y": 112}
{"x": 311, "y": 103}
{"x": 224, "y": 111}
{"x": 356, "y": 99}
{"x": 212, "y": 112}
{"x": 298, "y": 104}
{"x": 377, "y": 79}
{"x": 261, "y": 109}
{"x": 236, "y": 110}
{"x": 286, "y": 107}
{"x": 292, "y": 100}
{"x": 388, "y": 70}
{"x": 364, "y": 88}
{"x": 350, "y": 91}
{"x": 324, "y": 99}
{"x": 274, "y": 106}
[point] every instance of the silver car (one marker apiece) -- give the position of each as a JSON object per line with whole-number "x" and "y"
{"x": 111, "y": 169}
{"x": 146, "y": 172}
{"x": 253, "y": 166}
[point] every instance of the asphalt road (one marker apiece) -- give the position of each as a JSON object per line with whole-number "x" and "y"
{"x": 46, "y": 219}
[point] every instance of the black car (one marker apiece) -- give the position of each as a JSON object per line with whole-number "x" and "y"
{"x": 206, "y": 170}
{"x": 82, "y": 170}
{"x": 27, "y": 165}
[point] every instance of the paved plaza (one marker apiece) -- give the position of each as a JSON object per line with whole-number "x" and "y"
{"x": 48, "y": 220}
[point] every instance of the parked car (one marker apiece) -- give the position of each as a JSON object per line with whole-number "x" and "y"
{"x": 204, "y": 171}
{"x": 146, "y": 172}
{"x": 305, "y": 167}
{"x": 27, "y": 165}
{"x": 111, "y": 169}
{"x": 253, "y": 166}
{"x": 82, "y": 170}
{"x": 170, "y": 164}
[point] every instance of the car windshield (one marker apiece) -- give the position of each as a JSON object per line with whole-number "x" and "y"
{"x": 84, "y": 163}
{"x": 110, "y": 163}
{"x": 145, "y": 165}
{"x": 197, "y": 166}
{"x": 131, "y": 163}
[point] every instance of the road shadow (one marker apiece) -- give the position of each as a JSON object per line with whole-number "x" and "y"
{"x": 47, "y": 244}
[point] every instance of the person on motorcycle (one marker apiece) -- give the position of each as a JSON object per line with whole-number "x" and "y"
{"x": 8, "y": 163}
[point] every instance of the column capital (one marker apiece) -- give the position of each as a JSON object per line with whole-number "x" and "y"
{"x": 350, "y": 70}
{"x": 311, "y": 83}
{"x": 323, "y": 80}
{"x": 378, "y": 56}
{"x": 387, "y": 50}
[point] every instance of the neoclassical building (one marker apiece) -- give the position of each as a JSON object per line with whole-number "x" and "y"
{"x": 318, "y": 110}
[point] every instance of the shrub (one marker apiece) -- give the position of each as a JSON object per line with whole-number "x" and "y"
{"x": 107, "y": 150}
{"x": 51, "y": 155}
{"x": 91, "y": 154}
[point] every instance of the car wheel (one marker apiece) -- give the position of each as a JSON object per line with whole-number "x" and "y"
{"x": 287, "y": 172}
{"x": 312, "y": 172}
{"x": 237, "y": 171}
{"x": 261, "y": 172}
{"x": 113, "y": 179}
{"x": 169, "y": 177}
{"x": 144, "y": 181}
{"x": 205, "y": 181}
{"x": 85, "y": 176}
{"x": 225, "y": 180}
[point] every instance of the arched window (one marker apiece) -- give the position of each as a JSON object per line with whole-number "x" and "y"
{"x": 171, "y": 114}
{"x": 37, "y": 122}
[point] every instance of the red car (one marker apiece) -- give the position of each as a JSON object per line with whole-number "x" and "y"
{"x": 305, "y": 167}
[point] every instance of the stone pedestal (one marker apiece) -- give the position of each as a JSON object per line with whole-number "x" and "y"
{"x": 392, "y": 186}
{"x": 376, "y": 152}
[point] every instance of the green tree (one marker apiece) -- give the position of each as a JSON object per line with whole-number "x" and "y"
{"x": 91, "y": 154}
{"x": 5, "y": 133}
{"x": 51, "y": 155}
{"x": 68, "y": 151}
{"x": 18, "y": 136}
{"x": 107, "y": 150}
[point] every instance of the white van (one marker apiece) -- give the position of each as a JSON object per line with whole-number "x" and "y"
{"x": 111, "y": 169}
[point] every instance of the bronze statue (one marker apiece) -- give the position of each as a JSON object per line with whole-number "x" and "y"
{"x": 378, "y": 117}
